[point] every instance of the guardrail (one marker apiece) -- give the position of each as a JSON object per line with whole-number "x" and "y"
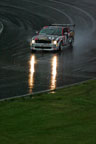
{"x": 1, "y": 27}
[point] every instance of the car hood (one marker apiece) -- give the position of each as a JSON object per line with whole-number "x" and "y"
{"x": 45, "y": 37}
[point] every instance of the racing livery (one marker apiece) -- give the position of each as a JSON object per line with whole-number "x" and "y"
{"x": 53, "y": 38}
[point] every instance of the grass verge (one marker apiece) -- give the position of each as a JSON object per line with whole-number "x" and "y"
{"x": 67, "y": 116}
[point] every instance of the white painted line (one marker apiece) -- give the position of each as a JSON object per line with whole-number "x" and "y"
{"x": 83, "y": 11}
{"x": 45, "y": 91}
{"x": 71, "y": 21}
{"x": 55, "y": 9}
{"x": 1, "y": 27}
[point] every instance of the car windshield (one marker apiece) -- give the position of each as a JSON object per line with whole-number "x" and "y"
{"x": 51, "y": 31}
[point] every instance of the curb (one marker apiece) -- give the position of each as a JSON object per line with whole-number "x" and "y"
{"x": 45, "y": 91}
{"x": 1, "y": 27}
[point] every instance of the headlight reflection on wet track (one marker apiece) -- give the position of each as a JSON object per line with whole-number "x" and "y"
{"x": 20, "y": 19}
{"x": 54, "y": 72}
{"x": 31, "y": 72}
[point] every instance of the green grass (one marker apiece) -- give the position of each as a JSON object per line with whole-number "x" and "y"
{"x": 67, "y": 116}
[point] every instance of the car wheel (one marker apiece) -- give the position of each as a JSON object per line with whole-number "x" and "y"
{"x": 60, "y": 46}
{"x": 71, "y": 42}
{"x": 33, "y": 50}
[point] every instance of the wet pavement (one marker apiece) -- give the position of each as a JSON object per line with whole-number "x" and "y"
{"x": 23, "y": 72}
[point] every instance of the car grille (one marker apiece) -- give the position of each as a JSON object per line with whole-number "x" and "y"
{"x": 43, "y": 41}
{"x": 42, "y": 47}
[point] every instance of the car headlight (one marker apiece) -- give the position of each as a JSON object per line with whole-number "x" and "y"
{"x": 55, "y": 42}
{"x": 33, "y": 41}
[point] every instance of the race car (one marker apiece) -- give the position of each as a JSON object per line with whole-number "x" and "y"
{"x": 53, "y": 37}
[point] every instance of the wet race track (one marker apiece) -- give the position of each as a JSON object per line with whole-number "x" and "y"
{"x": 23, "y": 72}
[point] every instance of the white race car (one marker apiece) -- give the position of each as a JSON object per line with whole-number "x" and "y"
{"x": 53, "y": 38}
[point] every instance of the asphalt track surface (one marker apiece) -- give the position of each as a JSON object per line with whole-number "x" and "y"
{"x": 23, "y": 72}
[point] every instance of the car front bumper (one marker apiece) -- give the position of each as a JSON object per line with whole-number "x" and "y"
{"x": 45, "y": 47}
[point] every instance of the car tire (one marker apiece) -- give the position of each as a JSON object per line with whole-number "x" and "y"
{"x": 71, "y": 43}
{"x": 60, "y": 46}
{"x": 32, "y": 51}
